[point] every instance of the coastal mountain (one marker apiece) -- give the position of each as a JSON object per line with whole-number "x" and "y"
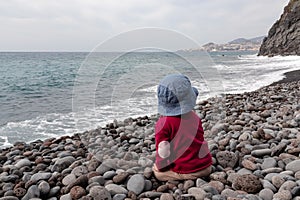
{"x": 256, "y": 40}
{"x": 239, "y": 44}
{"x": 284, "y": 36}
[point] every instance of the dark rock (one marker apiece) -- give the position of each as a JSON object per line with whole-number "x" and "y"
{"x": 210, "y": 189}
{"x": 218, "y": 197}
{"x": 188, "y": 184}
{"x": 148, "y": 172}
{"x": 54, "y": 191}
{"x": 119, "y": 197}
{"x": 77, "y": 192}
{"x": 148, "y": 185}
{"x": 93, "y": 164}
{"x": 216, "y": 176}
{"x": 151, "y": 194}
{"x": 19, "y": 192}
{"x": 187, "y": 197}
{"x": 283, "y": 37}
{"x": 121, "y": 177}
{"x": 99, "y": 192}
{"x": 10, "y": 178}
{"x": 278, "y": 149}
{"x": 62, "y": 163}
{"x": 9, "y": 198}
{"x": 44, "y": 188}
{"x": 92, "y": 174}
{"x": 109, "y": 174}
{"x": 103, "y": 168}
{"x": 227, "y": 159}
{"x": 80, "y": 181}
{"x": 3, "y": 159}
{"x": 9, "y": 193}
{"x": 23, "y": 162}
{"x": 32, "y": 192}
{"x": 296, "y": 191}
{"x": 132, "y": 195}
{"x": 261, "y": 152}
{"x": 97, "y": 179}
{"x": 162, "y": 188}
{"x": 248, "y": 183}
{"x": 7, "y": 186}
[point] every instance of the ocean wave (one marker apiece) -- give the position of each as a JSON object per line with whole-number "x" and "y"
{"x": 4, "y": 142}
{"x": 237, "y": 74}
{"x": 221, "y": 67}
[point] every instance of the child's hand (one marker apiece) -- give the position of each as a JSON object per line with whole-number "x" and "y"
{"x": 164, "y": 149}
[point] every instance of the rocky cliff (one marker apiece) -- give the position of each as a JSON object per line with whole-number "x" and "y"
{"x": 284, "y": 36}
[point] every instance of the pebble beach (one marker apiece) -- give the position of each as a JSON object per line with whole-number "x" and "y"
{"x": 253, "y": 137}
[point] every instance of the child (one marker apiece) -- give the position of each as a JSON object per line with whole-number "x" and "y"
{"x": 181, "y": 151}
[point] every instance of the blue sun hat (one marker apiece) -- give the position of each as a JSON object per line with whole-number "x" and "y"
{"x": 176, "y": 96}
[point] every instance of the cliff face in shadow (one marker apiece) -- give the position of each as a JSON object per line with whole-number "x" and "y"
{"x": 284, "y": 36}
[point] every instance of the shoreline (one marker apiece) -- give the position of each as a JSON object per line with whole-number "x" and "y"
{"x": 252, "y": 137}
{"x": 290, "y": 76}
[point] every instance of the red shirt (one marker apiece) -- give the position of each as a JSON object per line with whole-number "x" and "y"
{"x": 188, "y": 150}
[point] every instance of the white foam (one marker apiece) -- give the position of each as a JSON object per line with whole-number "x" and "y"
{"x": 221, "y": 67}
{"x": 150, "y": 89}
{"x": 258, "y": 71}
{"x": 248, "y": 73}
{"x": 4, "y": 143}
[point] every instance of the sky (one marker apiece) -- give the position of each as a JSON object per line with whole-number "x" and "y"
{"x": 81, "y": 25}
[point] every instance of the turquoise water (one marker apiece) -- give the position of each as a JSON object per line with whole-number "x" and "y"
{"x": 51, "y": 94}
{"x": 36, "y": 83}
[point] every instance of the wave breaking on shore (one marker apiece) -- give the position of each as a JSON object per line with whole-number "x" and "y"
{"x": 253, "y": 137}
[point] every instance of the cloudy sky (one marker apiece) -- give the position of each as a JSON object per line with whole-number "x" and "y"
{"x": 80, "y": 25}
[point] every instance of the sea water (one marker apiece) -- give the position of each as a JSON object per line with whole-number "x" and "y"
{"x": 50, "y": 94}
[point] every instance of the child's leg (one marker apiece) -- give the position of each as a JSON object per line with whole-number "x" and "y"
{"x": 166, "y": 175}
{"x": 170, "y": 175}
{"x": 202, "y": 173}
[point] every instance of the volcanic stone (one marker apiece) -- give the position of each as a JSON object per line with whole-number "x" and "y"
{"x": 248, "y": 183}
{"x": 77, "y": 192}
{"x": 99, "y": 192}
{"x": 226, "y": 159}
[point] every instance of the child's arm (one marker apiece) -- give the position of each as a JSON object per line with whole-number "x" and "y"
{"x": 163, "y": 152}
